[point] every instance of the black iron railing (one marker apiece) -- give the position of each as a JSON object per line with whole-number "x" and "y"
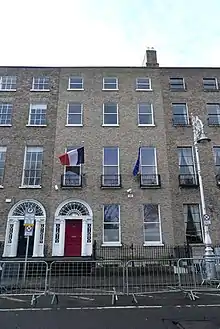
{"x": 110, "y": 181}
{"x": 135, "y": 252}
{"x": 151, "y": 180}
{"x": 71, "y": 181}
{"x": 188, "y": 180}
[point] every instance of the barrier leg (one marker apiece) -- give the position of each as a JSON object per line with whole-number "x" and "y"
{"x": 55, "y": 299}
{"x": 134, "y": 299}
{"x": 191, "y": 295}
{"x": 114, "y": 297}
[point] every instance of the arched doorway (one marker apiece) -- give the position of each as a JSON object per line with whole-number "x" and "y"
{"x": 15, "y": 242}
{"x": 72, "y": 235}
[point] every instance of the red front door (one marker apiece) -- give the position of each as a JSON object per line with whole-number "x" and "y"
{"x": 73, "y": 238}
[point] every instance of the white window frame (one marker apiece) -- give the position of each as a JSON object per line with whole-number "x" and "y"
{"x": 110, "y": 89}
{"x": 75, "y": 77}
{"x": 177, "y": 78}
{"x": 193, "y": 159}
{"x": 111, "y": 243}
{"x": 200, "y": 216}
{"x": 103, "y": 165}
{"x": 103, "y": 115}
{"x": 187, "y": 114}
{"x": 216, "y": 148}
{"x": 210, "y": 78}
{"x": 155, "y": 161}
{"x": 67, "y": 115}
{"x": 144, "y": 89}
{"x": 32, "y": 107}
{"x": 37, "y": 89}
{"x": 215, "y": 115}
{"x": 69, "y": 148}
{"x": 6, "y": 104}
{"x": 32, "y": 149}
{"x": 146, "y": 113}
{"x": 3, "y": 149}
{"x": 7, "y": 77}
{"x": 153, "y": 243}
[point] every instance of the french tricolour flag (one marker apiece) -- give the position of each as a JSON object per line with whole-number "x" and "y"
{"x": 73, "y": 157}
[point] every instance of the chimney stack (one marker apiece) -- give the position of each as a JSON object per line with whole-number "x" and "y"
{"x": 151, "y": 57}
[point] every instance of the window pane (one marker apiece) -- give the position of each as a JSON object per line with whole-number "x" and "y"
{"x": 147, "y": 156}
{"x": 110, "y": 83}
{"x": 145, "y": 108}
{"x": 110, "y": 80}
{"x": 74, "y": 119}
{"x": 110, "y": 119}
{"x": 213, "y": 108}
{"x": 210, "y": 83}
{"x": 148, "y": 170}
{"x": 185, "y": 156}
{"x": 76, "y": 80}
{"x": 110, "y": 86}
{"x": 111, "y": 232}
{"x": 74, "y": 108}
{"x": 177, "y": 83}
{"x": 151, "y": 213}
{"x": 110, "y": 170}
{"x": 145, "y": 119}
{"x": 152, "y": 232}
{"x": 110, "y": 156}
{"x": 179, "y": 108}
{"x": 72, "y": 170}
{"x": 76, "y": 83}
{"x": 111, "y": 213}
{"x": 110, "y": 108}
{"x": 143, "y": 83}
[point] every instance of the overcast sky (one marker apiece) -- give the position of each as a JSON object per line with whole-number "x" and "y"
{"x": 109, "y": 32}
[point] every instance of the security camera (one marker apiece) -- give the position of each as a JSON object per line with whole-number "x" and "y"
{"x": 129, "y": 190}
{"x": 56, "y": 187}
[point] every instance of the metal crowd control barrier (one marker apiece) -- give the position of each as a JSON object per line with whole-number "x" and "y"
{"x": 193, "y": 275}
{"x": 20, "y": 278}
{"x": 96, "y": 278}
{"x": 151, "y": 276}
{"x": 112, "y": 278}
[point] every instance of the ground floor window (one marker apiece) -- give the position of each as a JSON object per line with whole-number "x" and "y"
{"x": 192, "y": 220}
{"x": 111, "y": 224}
{"x": 152, "y": 224}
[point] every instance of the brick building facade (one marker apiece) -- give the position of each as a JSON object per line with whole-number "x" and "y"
{"x": 112, "y": 112}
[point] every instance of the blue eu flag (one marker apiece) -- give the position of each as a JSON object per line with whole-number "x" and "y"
{"x": 137, "y": 164}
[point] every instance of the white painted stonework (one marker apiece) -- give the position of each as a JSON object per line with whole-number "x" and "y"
{"x": 16, "y": 214}
{"x": 72, "y": 210}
